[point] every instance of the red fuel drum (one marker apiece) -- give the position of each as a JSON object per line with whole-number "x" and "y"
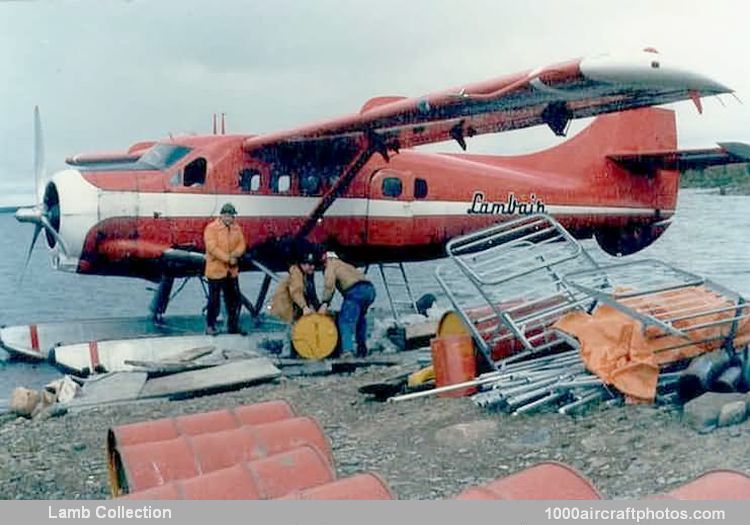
{"x": 362, "y": 486}
{"x": 267, "y": 478}
{"x": 454, "y": 362}
{"x": 138, "y": 467}
{"x": 194, "y": 424}
{"x": 547, "y": 480}
{"x": 485, "y": 318}
{"x": 713, "y": 485}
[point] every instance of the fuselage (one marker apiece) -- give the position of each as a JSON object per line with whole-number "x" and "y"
{"x": 118, "y": 214}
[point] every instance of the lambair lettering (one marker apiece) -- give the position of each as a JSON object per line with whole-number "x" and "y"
{"x": 511, "y": 206}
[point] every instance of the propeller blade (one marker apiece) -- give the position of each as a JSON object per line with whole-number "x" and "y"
{"x": 37, "y": 231}
{"x": 44, "y": 221}
{"x": 39, "y": 166}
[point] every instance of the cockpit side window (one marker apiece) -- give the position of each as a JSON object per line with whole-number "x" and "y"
{"x": 195, "y": 173}
{"x": 162, "y": 156}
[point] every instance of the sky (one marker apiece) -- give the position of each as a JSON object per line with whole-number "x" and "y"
{"x": 108, "y": 73}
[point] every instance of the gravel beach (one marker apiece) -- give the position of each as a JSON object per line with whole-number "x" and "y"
{"x": 426, "y": 449}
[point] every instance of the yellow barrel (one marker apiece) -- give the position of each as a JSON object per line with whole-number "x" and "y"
{"x": 451, "y": 324}
{"x": 315, "y": 336}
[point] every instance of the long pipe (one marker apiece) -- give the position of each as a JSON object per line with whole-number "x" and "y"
{"x": 441, "y": 389}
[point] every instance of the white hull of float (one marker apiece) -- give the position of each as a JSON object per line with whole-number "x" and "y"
{"x": 113, "y": 356}
{"x": 35, "y": 341}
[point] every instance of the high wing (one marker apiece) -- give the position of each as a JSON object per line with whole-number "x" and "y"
{"x": 551, "y": 95}
{"x": 682, "y": 160}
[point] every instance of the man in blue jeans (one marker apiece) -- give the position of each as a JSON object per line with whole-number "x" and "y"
{"x": 358, "y": 293}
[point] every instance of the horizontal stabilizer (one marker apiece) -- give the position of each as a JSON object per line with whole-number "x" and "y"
{"x": 682, "y": 160}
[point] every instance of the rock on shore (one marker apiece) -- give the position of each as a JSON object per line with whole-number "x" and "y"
{"x": 427, "y": 448}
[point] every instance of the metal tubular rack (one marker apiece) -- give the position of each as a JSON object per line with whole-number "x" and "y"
{"x": 511, "y": 282}
{"x": 671, "y": 300}
{"x": 509, "y": 289}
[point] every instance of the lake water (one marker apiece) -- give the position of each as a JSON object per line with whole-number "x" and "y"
{"x": 710, "y": 236}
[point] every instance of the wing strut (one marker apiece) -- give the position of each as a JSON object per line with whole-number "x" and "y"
{"x": 350, "y": 171}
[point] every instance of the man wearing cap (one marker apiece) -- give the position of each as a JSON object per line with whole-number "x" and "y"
{"x": 296, "y": 296}
{"x": 358, "y": 293}
{"x": 225, "y": 244}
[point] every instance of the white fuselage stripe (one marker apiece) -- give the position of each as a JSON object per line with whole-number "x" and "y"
{"x": 84, "y": 205}
{"x": 194, "y": 205}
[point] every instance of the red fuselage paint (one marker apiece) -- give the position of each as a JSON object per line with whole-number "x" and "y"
{"x": 404, "y": 209}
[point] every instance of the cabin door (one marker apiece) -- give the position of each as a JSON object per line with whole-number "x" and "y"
{"x": 191, "y": 201}
{"x": 389, "y": 208}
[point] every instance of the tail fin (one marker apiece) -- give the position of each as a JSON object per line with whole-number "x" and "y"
{"x": 647, "y": 129}
{"x": 590, "y": 155}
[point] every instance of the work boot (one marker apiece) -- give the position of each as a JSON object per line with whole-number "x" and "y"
{"x": 211, "y": 331}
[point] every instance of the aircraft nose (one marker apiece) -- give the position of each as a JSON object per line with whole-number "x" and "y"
{"x": 70, "y": 205}
{"x": 649, "y": 68}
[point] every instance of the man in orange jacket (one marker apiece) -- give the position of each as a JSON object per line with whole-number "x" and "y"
{"x": 225, "y": 244}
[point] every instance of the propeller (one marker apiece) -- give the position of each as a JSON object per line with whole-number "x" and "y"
{"x": 40, "y": 170}
{"x": 38, "y": 214}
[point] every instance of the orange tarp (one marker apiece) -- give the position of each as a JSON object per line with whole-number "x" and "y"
{"x": 616, "y": 348}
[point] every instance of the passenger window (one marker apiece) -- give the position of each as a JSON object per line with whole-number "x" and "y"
{"x": 282, "y": 184}
{"x": 250, "y": 180}
{"x": 392, "y": 187}
{"x": 195, "y": 173}
{"x": 420, "y": 188}
{"x": 309, "y": 184}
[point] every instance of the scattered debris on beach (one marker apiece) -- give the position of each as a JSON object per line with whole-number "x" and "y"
{"x": 267, "y": 451}
{"x": 554, "y": 329}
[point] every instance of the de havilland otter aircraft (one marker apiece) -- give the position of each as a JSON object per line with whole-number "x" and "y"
{"x": 356, "y": 184}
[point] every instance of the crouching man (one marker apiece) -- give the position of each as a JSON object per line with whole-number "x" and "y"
{"x": 358, "y": 294}
{"x": 295, "y": 295}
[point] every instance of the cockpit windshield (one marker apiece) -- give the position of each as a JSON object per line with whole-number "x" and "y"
{"x": 161, "y": 156}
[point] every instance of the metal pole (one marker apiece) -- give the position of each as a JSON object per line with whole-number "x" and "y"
{"x": 439, "y": 390}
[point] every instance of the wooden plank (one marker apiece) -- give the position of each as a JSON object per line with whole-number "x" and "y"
{"x": 358, "y": 361}
{"x": 229, "y": 376}
{"x": 194, "y": 353}
{"x": 427, "y": 329}
{"x": 308, "y": 369}
{"x": 164, "y": 367}
{"x": 111, "y": 387}
{"x": 411, "y": 336}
